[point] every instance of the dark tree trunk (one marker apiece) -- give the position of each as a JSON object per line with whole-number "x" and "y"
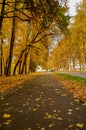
{"x": 20, "y": 64}
{"x": 1, "y": 64}
{"x": 5, "y": 67}
{"x": 24, "y": 68}
{"x": 32, "y": 66}
{"x": 17, "y": 63}
{"x": 11, "y": 44}
{"x": 2, "y": 14}
{"x": 1, "y": 21}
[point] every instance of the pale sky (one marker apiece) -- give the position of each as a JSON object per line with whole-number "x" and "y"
{"x": 72, "y": 5}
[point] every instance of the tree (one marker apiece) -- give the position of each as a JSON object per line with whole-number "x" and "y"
{"x": 1, "y": 42}
{"x": 46, "y": 15}
{"x": 79, "y": 35}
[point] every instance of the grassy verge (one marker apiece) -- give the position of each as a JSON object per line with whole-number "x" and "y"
{"x": 72, "y": 78}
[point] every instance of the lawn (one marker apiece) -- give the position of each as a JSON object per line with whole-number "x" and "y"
{"x": 72, "y": 78}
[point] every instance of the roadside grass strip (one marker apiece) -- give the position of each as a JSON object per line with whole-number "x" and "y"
{"x": 72, "y": 78}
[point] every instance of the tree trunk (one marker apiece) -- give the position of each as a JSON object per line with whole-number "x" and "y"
{"x": 11, "y": 44}
{"x": 32, "y": 66}
{"x": 2, "y": 14}
{"x": 1, "y": 21}
{"x": 20, "y": 63}
{"x": 1, "y": 64}
{"x": 14, "y": 72}
{"x": 24, "y": 69}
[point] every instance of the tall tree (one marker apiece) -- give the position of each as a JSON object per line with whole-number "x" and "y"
{"x": 1, "y": 39}
{"x": 11, "y": 42}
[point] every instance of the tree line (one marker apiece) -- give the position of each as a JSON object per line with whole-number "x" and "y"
{"x": 70, "y": 53}
{"x": 27, "y": 29}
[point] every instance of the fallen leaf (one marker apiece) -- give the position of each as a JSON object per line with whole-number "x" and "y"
{"x": 21, "y": 111}
{"x": 63, "y": 95}
{"x": 42, "y": 128}
{"x": 71, "y": 125}
{"x": 37, "y": 99}
{"x": 77, "y": 108}
{"x": 59, "y": 111}
{"x": 34, "y": 109}
{"x": 51, "y": 125}
{"x": 59, "y": 118}
{"x": 69, "y": 113}
{"x": 6, "y": 115}
{"x": 76, "y": 100}
{"x": 7, "y": 122}
{"x": 80, "y": 125}
{"x": 46, "y": 113}
{"x": 70, "y": 110}
{"x": 2, "y": 98}
{"x": 29, "y": 129}
{"x": 54, "y": 110}
{"x": 7, "y": 103}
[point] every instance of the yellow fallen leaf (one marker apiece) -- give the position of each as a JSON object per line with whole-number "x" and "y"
{"x": 7, "y": 122}
{"x": 2, "y": 98}
{"x": 29, "y": 129}
{"x": 6, "y": 115}
{"x": 63, "y": 95}
{"x": 80, "y": 125}
{"x": 51, "y": 125}
{"x": 70, "y": 110}
{"x": 69, "y": 113}
{"x": 59, "y": 118}
{"x": 70, "y": 126}
{"x": 54, "y": 110}
{"x": 34, "y": 109}
{"x": 42, "y": 128}
{"x": 77, "y": 108}
{"x": 7, "y": 103}
{"x": 46, "y": 113}
{"x": 37, "y": 99}
{"x": 76, "y": 100}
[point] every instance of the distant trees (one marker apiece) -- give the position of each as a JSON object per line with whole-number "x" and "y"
{"x": 70, "y": 52}
{"x": 25, "y": 27}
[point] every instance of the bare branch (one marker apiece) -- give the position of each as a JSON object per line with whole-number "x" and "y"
{"x": 39, "y": 32}
{"x": 43, "y": 37}
{"x": 20, "y": 11}
{"x": 22, "y": 19}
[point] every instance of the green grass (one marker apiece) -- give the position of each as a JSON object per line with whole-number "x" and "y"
{"x": 72, "y": 78}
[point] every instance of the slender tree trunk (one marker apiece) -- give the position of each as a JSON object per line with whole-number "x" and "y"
{"x": 20, "y": 63}
{"x": 2, "y": 14}
{"x": 1, "y": 64}
{"x": 11, "y": 44}
{"x": 32, "y": 66}
{"x": 17, "y": 63}
{"x": 1, "y": 21}
{"x": 24, "y": 69}
{"x": 73, "y": 63}
{"x": 5, "y": 67}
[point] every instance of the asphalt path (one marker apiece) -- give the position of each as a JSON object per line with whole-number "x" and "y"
{"x": 78, "y": 74}
{"x": 41, "y": 104}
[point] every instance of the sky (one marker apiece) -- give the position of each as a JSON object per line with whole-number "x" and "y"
{"x": 72, "y": 5}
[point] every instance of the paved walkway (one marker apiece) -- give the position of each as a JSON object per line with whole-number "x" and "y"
{"x": 41, "y": 104}
{"x": 78, "y": 74}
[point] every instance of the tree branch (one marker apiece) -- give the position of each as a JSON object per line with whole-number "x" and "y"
{"x": 39, "y": 32}
{"x": 17, "y": 17}
{"x": 20, "y": 11}
{"x": 43, "y": 37}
